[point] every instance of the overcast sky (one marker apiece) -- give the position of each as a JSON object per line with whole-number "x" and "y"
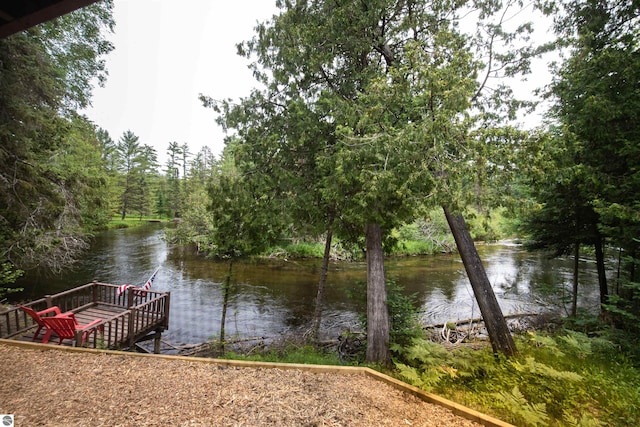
{"x": 166, "y": 54}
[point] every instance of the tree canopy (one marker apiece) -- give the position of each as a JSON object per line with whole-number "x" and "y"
{"x": 375, "y": 110}
{"x": 46, "y": 193}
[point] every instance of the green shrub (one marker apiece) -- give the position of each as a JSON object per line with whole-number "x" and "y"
{"x": 491, "y": 225}
{"x": 403, "y": 315}
{"x": 403, "y": 310}
{"x": 417, "y": 247}
{"x": 305, "y": 250}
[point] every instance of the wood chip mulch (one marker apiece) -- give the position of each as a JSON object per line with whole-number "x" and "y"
{"x": 58, "y": 388}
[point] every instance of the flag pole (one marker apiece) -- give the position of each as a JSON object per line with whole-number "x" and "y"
{"x": 153, "y": 275}
{"x": 147, "y": 284}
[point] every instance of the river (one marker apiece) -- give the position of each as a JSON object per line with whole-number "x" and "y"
{"x": 272, "y": 297}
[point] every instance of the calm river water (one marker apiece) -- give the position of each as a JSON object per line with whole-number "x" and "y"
{"x": 276, "y": 296}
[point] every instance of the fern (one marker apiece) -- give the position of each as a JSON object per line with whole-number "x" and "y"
{"x": 409, "y": 374}
{"x": 523, "y": 412}
{"x": 579, "y": 343}
{"x": 427, "y": 352}
{"x": 540, "y": 369}
{"x": 586, "y": 420}
{"x": 426, "y": 380}
{"x": 565, "y": 380}
{"x": 547, "y": 342}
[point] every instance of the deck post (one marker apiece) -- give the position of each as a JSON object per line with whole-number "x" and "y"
{"x": 49, "y": 301}
{"x": 132, "y": 327}
{"x": 129, "y": 299}
{"x": 94, "y": 291}
{"x": 156, "y": 341}
{"x": 166, "y": 310}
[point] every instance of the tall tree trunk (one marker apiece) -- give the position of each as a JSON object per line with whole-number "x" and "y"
{"x": 377, "y": 312}
{"x": 632, "y": 269}
{"x": 499, "y": 334}
{"x": 124, "y": 207}
{"x": 226, "y": 287}
{"x": 317, "y": 315}
{"x": 602, "y": 273}
{"x": 574, "y": 294}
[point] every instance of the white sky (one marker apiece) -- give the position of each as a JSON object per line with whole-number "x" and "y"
{"x": 166, "y": 54}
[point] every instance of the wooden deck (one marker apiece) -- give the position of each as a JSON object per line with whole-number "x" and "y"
{"x": 126, "y": 319}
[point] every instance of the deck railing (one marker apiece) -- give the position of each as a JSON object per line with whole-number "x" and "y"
{"x": 16, "y": 322}
{"x": 142, "y": 312}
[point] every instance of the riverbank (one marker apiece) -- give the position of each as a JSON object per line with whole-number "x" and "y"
{"x": 132, "y": 222}
{"x": 54, "y": 387}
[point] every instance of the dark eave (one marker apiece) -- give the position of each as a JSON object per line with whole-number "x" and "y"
{"x": 18, "y": 15}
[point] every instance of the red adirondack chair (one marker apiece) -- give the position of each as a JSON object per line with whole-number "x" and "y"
{"x": 38, "y": 315}
{"x": 66, "y": 326}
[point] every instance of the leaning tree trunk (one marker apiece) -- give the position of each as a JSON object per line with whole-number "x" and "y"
{"x": 499, "y": 334}
{"x": 377, "y": 313}
{"x": 317, "y": 315}
{"x": 574, "y": 294}
{"x": 602, "y": 274}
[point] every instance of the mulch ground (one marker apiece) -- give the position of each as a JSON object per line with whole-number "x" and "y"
{"x": 59, "y": 388}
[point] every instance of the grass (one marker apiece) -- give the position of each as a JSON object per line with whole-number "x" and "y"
{"x": 298, "y": 250}
{"x": 316, "y": 250}
{"x": 416, "y": 247}
{"x": 131, "y": 221}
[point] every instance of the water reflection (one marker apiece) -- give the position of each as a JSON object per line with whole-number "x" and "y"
{"x": 275, "y": 296}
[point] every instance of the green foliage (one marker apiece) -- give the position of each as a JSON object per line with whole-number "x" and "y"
{"x": 403, "y": 313}
{"x": 77, "y": 44}
{"x": 174, "y": 193}
{"x": 298, "y": 250}
{"x": 410, "y": 232}
{"x": 79, "y": 163}
{"x": 416, "y": 247}
{"x": 340, "y": 250}
{"x": 195, "y": 226}
{"x": 522, "y": 412}
{"x": 427, "y": 365}
{"x": 8, "y": 275}
{"x": 137, "y": 164}
{"x": 432, "y": 234}
{"x": 245, "y": 221}
{"x": 425, "y": 236}
{"x": 490, "y": 225}
{"x": 625, "y": 305}
{"x": 584, "y": 420}
{"x": 568, "y": 379}
{"x": 370, "y": 110}
{"x": 52, "y": 186}
{"x": 589, "y": 187}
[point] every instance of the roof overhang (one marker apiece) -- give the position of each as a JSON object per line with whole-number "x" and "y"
{"x": 19, "y": 15}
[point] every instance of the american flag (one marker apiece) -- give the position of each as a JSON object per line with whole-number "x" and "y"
{"x": 147, "y": 285}
{"x": 123, "y": 288}
{"x": 144, "y": 287}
